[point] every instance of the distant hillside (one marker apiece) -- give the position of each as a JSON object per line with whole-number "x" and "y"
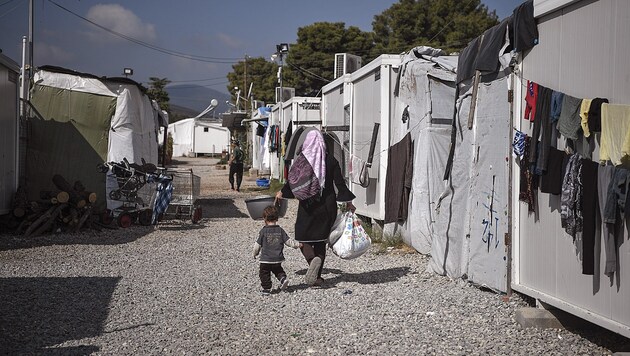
{"x": 190, "y": 100}
{"x": 180, "y": 112}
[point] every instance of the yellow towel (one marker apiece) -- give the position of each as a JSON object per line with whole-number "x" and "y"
{"x": 615, "y": 140}
{"x": 586, "y": 105}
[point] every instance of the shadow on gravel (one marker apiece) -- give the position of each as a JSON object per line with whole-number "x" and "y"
{"x": 371, "y": 277}
{"x": 220, "y": 208}
{"x": 594, "y": 333}
{"x": 37, "y": 313}
{"x": 86, "y": 237}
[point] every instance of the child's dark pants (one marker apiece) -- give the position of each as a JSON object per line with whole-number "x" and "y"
{"x": 265, "y": 273}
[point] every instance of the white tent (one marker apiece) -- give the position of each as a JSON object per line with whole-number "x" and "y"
{"x": 198, "y": 136}
{"x": 83, "y": 120}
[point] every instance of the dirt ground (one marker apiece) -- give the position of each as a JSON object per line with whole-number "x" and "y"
{"x": 214, "y": 177}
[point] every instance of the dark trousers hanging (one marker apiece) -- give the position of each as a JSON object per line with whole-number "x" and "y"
{"x": 589, "y": 214}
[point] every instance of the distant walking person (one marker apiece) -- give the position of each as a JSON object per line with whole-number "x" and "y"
{"x": 270, "y": 245}
{"x": 236, "y": 165}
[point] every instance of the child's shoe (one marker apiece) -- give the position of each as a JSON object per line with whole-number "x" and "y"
{"x": 265, "y": 292}
{"x": 313, "y": 269}
{"x": 284, "y": 283}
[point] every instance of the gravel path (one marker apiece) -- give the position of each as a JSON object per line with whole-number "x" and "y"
{"x": 194, "y": 289}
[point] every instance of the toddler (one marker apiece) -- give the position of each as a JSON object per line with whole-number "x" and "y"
{"x": 270, "y": 244}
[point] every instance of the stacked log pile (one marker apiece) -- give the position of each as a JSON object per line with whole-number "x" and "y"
{"x": 69, "y": 208}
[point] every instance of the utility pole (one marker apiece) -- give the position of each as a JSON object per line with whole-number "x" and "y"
{"x": 31, "y": 20}
{"x": 245, "y": 82}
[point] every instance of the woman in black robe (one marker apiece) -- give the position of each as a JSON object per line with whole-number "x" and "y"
{"x": 316, "y": 216}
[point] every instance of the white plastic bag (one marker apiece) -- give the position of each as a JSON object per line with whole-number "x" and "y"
{"x": 338, "y": 228}
{"x": 354, "y": 241}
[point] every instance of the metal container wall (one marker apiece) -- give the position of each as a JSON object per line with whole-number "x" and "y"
{"x": 583, "y": 52}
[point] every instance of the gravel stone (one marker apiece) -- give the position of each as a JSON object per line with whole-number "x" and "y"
{"x": 191, "y": 289}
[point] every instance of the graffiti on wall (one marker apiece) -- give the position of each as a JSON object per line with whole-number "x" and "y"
{"x": 490, "y": 235}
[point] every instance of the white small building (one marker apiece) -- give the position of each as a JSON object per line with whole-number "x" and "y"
{"x": 351, "y": 106}
{"x": 192, "y": 137}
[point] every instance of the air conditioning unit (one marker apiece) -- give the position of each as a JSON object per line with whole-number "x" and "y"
{"x": 346, "y": 63}
{"x": 287, "y": 93}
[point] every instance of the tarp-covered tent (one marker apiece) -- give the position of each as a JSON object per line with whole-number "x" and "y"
{"x": 9, "y": 74}
{"x": 460, "y": 221}
{"x": 472, "y": 216}
{"x": 195, "y": 136}
{"x": 81, "y": 121}
{"x": 424, "y": 108}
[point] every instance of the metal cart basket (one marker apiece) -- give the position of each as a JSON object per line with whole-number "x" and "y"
{"x": 183, "y": 204}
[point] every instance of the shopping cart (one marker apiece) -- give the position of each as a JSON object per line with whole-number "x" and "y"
{"x": 183, "y": 203}
{"x": 132, "y": 191}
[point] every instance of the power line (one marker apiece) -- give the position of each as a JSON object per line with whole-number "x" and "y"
{"x": 196, "y": 80}
{"x": 151, "y": 46}
{"x": 308, "y": 72}
{"x": 10, "y": 10}
{"x": 6, "y": 2}
{"x": 197, "y": 86}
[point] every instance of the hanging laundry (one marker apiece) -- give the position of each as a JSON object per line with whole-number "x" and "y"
{"x": 524, "y": 30}
{"x": 527, "y": 189}
{"x": 611, "y": 232}
{"x": 466, "y": 60}
{"x": 584, "y": 108}
{"x": 615, "y": 207}
{"x": 260, "y": 129}
{"x": 615, "y": 138}
{"x": 589, "y": 214}
{"x": 551, "y": 182}
{"x": 531, "y": 96}
{"x": 542, "y": 127}
{"x": 398, "y": 180}
{"x": 556, "y": 105}
{"x": 491, "y": 48}
{"x": 571, "y": 198}
{"x": 518, "y": 145}
{"x": 569, "y": 120}
{"x": 595, "y": 114}
{"x": 266, "y": 159}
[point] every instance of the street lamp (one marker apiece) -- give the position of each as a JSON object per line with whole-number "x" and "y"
{"x": 127, "y": 72}
{"x": 281, "y": 50}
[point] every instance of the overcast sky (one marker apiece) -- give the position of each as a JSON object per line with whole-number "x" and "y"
{"x": 217, "y": 33}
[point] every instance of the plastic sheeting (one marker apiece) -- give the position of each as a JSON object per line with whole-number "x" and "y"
{"x": 427, "y": 91}
{"x": 461, "y": 222}
{"x": 473, "y": 247}
{"x": 134, "y": 128}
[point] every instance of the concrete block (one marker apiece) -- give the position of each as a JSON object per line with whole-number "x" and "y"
{"x": 537, "y": 318}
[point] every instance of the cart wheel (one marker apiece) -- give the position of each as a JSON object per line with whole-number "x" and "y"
{"x": 102, "y": 168}
{"x": 196, "y": 216}
{"x": 145, "y": 216}
{"x": 106, "y": 217}
{"x": 115, "y": 195}
{"x": 125, "y": 220}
